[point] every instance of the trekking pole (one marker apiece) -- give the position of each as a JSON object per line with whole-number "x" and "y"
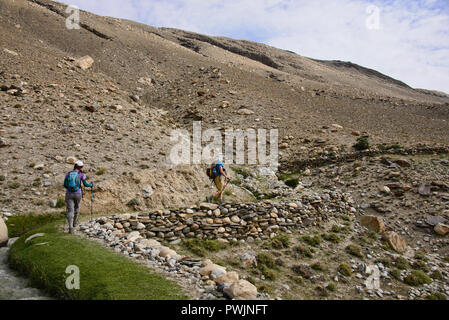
{"x": 91, "y": 202}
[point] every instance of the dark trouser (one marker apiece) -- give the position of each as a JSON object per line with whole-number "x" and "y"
{"x": 72, "y": 201}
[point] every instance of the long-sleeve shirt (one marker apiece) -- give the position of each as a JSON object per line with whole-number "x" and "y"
{"x": 83, "y": 180}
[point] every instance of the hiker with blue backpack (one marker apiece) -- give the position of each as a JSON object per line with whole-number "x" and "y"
{"x": 74, "y": 193}
{"x": 215, "y": 173}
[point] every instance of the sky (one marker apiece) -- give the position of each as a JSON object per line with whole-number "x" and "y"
{"x": 405, "y": 39}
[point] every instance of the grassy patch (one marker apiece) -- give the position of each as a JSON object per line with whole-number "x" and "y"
{"x": 396, "y": 274}
{"x": 417, "y": 278}
{"x": 19, "y": 225}
{"x": 314, "y": 241}
{"x": 104, "y": 274}
{"x": 305, "y": 252}
{"x": 201, "y": 247}
{"x": 331, "y": 237}
{"x": 281, "y": 241}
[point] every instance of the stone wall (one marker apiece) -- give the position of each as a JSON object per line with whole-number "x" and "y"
{"x": 230, "y": 222}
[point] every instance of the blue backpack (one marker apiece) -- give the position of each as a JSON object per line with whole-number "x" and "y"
{"x": 73, "y": 181}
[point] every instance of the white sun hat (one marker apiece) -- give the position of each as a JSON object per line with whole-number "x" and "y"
{"x": 79, "y": 163}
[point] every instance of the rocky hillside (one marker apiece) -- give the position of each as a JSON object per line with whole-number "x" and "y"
{"x": 116, "y": 112}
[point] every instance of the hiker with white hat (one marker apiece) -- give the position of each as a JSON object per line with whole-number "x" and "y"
{"x": 74, "y": 193}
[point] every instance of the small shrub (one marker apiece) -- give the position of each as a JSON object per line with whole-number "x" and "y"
{"x": 60, "y": 203}
{"x": 402, "y": 263}
{"x": 345, "y": 269}
{"x": 303, "y": 251}
{"x": 336, "y": 228}
{"x": 292, "y": 183}
{"x": 317, "y": 266}
{"x": 267, "y": 273}
{"x": 396, "y": 274}
{"x": 436, "y": 275}
{"x": 331, "y": 287}
{"x": 421, "y": 265}
{"x": 281, "y": 241}
{"x": 303, "y": 270}
{"x": 437, "y": 296}
{"x": 132, "y": 203}
{"x": 417, "y": 278}
{"x": 421, "y": 255}
{"x": 354, "y": 250}
{"x": 331, "y": 237}
{"x": 314, "y": 241}
{"x": 14, "y": 185}
{"x": 101, "y": 171}
{"x": 264, "y": 259}
{"x": 362, "y": 144}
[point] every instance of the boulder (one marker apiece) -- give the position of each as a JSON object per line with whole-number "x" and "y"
{"x": 245, "y": 112}
{"x": 71, "y": 160}
{"x": 3, "y": 233}
{"x": 404, "y": 163}
{"x": 442, "y": 229}
{"x": 167, "y": 252}
{"x": 3, "y": 143}
{"x": 208, "y": 206}
{"x": 249, "y": 260}
{"x": 133, "y": 236}
{"x": 208, "y": 269}
{"x": 217, "y": 272}
{"x": 84, "y": 63}
{"x": 145, "y": 81}
{"x": 149, "y": 243}
{"x": 229, "y": 277}
{"x": 395, "y": 241}
{"x": 373, "y": 223}
{"x": 241, "y": 290}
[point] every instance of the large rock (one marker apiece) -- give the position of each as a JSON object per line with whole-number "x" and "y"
{"x": 373, "y": 223}
{"x": 208, "y": 206}
{"x": 395, "y": 241}
{"x": 3, "y": 233}
{"x": 241, "y": 290}
{"x": 133, "y": 236}
{"x": 442, "y": 229}
{"x": 249, "y": 260}
{"x": 84, "y": 63}
{"x": 165, "y": 251}
{"x": 229, "y": 277}
{"x": 207, "y": 270}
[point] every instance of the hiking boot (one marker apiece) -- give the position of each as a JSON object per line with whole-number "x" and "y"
{"x": 70, "y": 230}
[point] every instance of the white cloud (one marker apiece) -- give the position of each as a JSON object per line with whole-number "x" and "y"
{"x": 412, "y": 43}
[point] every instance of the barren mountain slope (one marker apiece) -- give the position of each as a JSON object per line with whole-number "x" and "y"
{"x": 65, "y": 111}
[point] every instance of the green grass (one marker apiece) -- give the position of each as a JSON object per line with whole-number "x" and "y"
{"x": 18, "y": 225}
{"x": 104, "y": 275}
{"x": 201, "y": 247}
